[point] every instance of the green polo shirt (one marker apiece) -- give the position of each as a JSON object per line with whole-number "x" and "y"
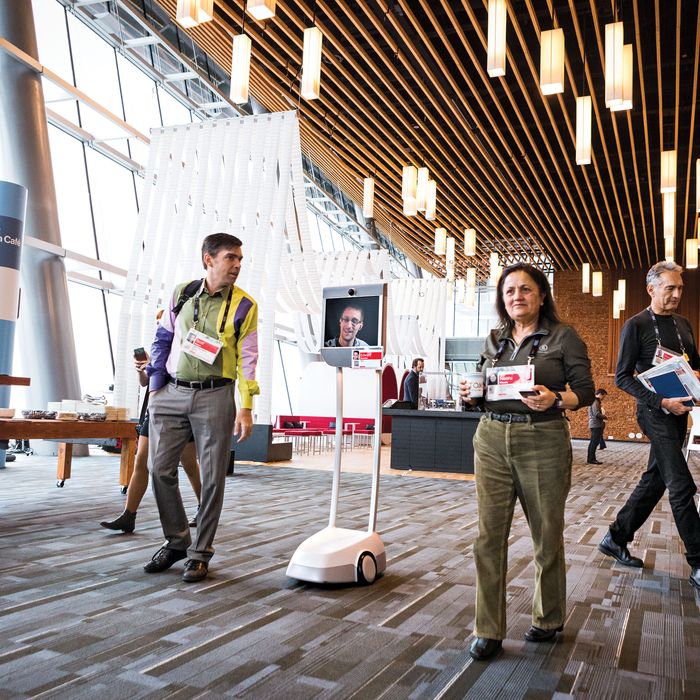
{"x": 191, "y": 369}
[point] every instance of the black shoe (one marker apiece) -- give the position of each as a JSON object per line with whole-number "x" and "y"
{"x": 595, "y": 461}
{"x": 9, "y": 457}
{"x": 694, "y": 578}
{"x": 163, "y": 559}
{"x": 483, "y": 648}
{"x": 621, "y": 553}
{"x": 537, "y": 634}
{"x": 193, "y": 519}
{"x": 125, "y": 522}
{"x": 195, "y": 570}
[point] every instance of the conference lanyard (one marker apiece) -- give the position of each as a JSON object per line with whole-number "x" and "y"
{"x": 533, "y": 350}
{"x": 658, "y": 336}
{"x": 195, "y": 317}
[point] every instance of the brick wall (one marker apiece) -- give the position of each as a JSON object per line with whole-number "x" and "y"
{"x": 590, "y": 316}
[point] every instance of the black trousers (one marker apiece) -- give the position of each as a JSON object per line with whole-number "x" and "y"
{"x": 666, "y": 469}
{"x": 596, "y": 439}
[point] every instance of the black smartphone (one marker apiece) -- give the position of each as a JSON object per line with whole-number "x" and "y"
{"x": 529, "y": 392}
{"x": 140, "y": 354}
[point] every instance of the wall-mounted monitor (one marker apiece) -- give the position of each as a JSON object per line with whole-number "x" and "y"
{"x": 354, "y": 318}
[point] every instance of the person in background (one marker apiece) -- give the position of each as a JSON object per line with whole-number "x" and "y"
{"x": 664, "y": 421}
{"x": 139, "y": 477}
{"x": 522, "y": 452}
{"x": 596, "y": 422}
{"x": 349, "y": 325}
{"x": 204, "y": 343}
{"x": 410, "y": 384}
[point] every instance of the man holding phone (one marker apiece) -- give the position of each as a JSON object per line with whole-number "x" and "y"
{"x": 206, "y": 340}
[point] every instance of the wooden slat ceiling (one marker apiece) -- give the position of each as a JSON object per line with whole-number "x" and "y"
{"x": 404, "y": 81}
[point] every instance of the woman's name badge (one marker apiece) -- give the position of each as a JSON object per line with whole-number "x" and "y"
{"x": 506, "y": 383}
{"x": 662, "y": 354}
{"x": 201, "y": 346}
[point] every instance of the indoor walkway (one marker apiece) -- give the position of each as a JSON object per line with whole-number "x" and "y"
{"x": 80, "y": 619}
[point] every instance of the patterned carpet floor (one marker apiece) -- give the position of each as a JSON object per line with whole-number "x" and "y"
{"x": 80, "y": 619}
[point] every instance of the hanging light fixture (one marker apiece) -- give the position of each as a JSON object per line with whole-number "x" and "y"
{"x": 669, "y": 249}
{"x": 691, "y": 253}
{"x": 552, "y": 61}
{"x": 261, "y": 9}
{"x": 614, "y": 66}
{"x": 422, "y": 188}
{"x": 240, "y": 69}
{"x": 496, "y": 48}
{"x": 669, "y": 214}
{"x": 668, "y": 171}
{"x": 206, "y": 11}
{"x": 622, "y": 293}
{"x": 187, "y": 13}
{"x": 616, "y": 304}
{"x": 450, "y": 258}
{"x": 431, "y": 201}
{"x": 368, "y": 198}
{"x": 409, "y": 181}
{"x": 440, "y": 241}
{"x": 461, "y": 290}
{"x": 585, "y": 278}
{"x": 627, "y": 79}
{"x": 583, "y": 130}
{"x": 471, "y": 286}
{"x": 311, "y": 64}
{"x": 409, "y": 206}
{"x": 597, "y": 283}
{"x": 470, "y": 241}
{"x": 494, "y": 267}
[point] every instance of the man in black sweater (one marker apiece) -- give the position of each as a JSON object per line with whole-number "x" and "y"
{"x": 664, "y": 421}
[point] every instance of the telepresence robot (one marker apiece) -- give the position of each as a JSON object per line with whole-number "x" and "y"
{"x": 336, "y": 554}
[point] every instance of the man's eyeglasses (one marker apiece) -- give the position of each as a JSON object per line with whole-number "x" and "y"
{"x": 355, "y": 321}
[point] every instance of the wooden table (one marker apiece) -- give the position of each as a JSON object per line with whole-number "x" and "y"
{"x": 9, "y": 380}
{"x": 68, "y": 432}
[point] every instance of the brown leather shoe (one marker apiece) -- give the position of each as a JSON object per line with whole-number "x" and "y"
{"x": 195, "y": 570}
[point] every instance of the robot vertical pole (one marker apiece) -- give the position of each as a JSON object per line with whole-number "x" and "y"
{"x": 338, "y": 444}
{"x": 376, "y": 456}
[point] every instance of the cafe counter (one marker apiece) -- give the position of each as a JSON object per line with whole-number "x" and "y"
{"x": 433, "y": 440}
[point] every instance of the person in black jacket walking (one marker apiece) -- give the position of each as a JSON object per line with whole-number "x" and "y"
{"x": 596, "y": 421}
{"x": 645, "y": 337}
{"x": 410, "y": 384}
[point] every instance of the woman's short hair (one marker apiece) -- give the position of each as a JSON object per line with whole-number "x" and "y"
{"x": 548, "y": 309}
{"x": 655, "y": 271}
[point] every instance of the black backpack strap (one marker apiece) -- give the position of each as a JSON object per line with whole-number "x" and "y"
{"x": 188, "y": 292}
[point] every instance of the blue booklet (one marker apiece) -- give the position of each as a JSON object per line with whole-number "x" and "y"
{"x": 670, "y": 386}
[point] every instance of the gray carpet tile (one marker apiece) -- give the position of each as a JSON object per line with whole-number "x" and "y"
{"x": 80, "y": 619}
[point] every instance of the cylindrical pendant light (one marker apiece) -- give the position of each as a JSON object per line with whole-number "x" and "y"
{"x": 627, "y": 79}
{"x": 368, "y": 198}
{"x": 585, "y": 278}
{"x": 409, "y": 181}
{"x": 187, "y": 13}
{"x": 431, "y": 201}
{"x": 450, "y": 250}
{"x": 668, "y": 171}
{"x": 691, "y": 253}
{"x": 471, "y": 286}
{"x": 496, "y": 47}
{"x": 622, "y": 293}
{"x": 422, "y": 188}
{"x": 311, "y": 64}
{"x": 440, "y": 241}
{"x": 470, "y": 241}
{"x": 409, "y": 206}
{"x": 494, "y": 267}
{"x": 669, "y": 214}
{"x": 460, "y": 290}
{"x": 669, "y": 249}
{"x": 616, "y": 304}
{"x": 614, "y": 65}
{"x": 240, "y": 69}
{"x": 597, "y": 283}
{"x": 261, "y": 9}
{"x": 552, "y": 61}
{"x": 206, "y": 11}
{"x": 583, "y": 130}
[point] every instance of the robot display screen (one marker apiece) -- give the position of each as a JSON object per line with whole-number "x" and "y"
{"x": 352, "y": 322}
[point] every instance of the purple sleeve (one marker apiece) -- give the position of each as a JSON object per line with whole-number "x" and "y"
{"x": 158, "y": 375}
